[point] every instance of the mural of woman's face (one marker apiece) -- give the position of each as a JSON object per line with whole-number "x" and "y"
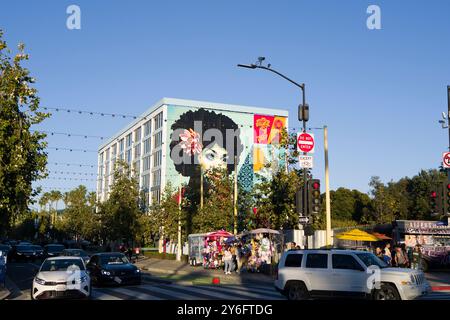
{"x": 213, "y": 156}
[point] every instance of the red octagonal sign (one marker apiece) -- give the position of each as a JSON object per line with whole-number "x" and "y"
{"x": 305, "y": 142}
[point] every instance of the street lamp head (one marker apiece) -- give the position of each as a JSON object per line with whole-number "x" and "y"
{"x": 251, "y": 66}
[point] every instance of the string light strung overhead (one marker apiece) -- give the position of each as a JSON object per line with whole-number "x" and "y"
{"x": 71, "y": 149}
{"x": 72, "y": 164}
{"x": 92, "y": 113}
{"x": 69, "y": 134}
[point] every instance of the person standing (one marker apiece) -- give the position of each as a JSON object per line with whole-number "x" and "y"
{"x": 400, "y": 259}
{"x": 227, "y": 258}
{"x": 239, "y": 257}
{"x": 416, "y": 261}
{"x": 378, "y": 253}
{"x": 386, "y": 258}
{"x": 387, "y": 250}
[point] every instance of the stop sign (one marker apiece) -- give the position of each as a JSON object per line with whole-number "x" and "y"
{"x": 305, "y": 142}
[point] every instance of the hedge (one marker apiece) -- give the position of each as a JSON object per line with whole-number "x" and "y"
{"x": 164, "y": 256}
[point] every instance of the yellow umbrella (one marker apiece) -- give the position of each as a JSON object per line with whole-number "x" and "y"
{"x": 357, "y": 235}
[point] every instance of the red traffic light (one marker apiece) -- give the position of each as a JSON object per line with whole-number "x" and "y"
{"x": 316, "y": 185}
{"x": 448, "y": 186}
{"x": 433, "y": 194}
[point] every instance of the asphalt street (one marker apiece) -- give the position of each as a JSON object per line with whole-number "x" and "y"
{"x": 22, "y": 274}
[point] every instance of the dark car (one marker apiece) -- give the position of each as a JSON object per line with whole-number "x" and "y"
{"x": 438, "y": 261}
{"x": 53, "y": 250}
{"x": 113, "y": 268}
{"x": 5, "y": 249}
{"x": 76, "y": 253}
{"x": 21, "y": 253}
{"x": 38, "y": 252}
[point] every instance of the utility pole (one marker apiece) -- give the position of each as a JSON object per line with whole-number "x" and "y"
{"x": 235, "y": 196}
{"x": 201, "y": 187}
{"x": 448, "y": 118}
{"x": 327, "y": 187}
{"x": 179, "y": 223}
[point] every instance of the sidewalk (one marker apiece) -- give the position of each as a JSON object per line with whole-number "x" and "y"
{"x": 5, "y": 291}
{"x": 185, "y": 273}
{"x": 439, "y": 280}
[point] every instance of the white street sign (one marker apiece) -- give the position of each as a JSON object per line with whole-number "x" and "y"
{"x": 303, "y": 219}
{"x": 305, "y": 162}
{"x": 446, "y": 159}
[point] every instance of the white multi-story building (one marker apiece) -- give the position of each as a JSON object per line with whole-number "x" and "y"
{"x": 147, "y": 143}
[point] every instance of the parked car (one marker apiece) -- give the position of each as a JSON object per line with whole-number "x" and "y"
{"x": 53, "y": 250}
{"x": 5, "y": 249}
{"x": 61, "y": 277}
{"x": 38, "y": 252}
{"x": 76, "y": 253}
{"x": 303, "y": 274}
{"x": 21, "y": 253}
{"x": 25, "y": 243}
{"x": 113, "y": 268}
{"x": 441, "y": 261}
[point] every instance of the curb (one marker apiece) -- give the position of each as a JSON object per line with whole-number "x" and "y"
{"x": 440, "y": 288}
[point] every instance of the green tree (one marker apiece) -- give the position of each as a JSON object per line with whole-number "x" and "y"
{"x": 80, "y": 220}
{"x": 22, "y": 156}
{"x": 217, "y": 212}
{"x": 120, "y": 214}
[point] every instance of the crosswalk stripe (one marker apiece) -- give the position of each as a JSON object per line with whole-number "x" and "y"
{"x": 174, "y": 295}
{"x": 269, "y": 291}
{"x": 148, "y": 291}
{"x": 245, "y": 293}
{"x": 141, "y": 295}
{"x": 116, "y": 293}
{"x": 99, "y": 295}
{"x": 210, "y": 293}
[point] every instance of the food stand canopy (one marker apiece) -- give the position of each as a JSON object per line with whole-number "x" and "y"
{"x": 260, "y": 230}
{"x": 357, "y": 235}
{"x": 218, "y": 234}
{"x": 381, "y": 236}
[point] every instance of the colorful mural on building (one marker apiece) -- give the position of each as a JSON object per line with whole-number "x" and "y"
{"x": 201, "y": 138}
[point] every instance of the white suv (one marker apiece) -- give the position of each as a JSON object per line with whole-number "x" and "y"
{"x": 317, "y": 273}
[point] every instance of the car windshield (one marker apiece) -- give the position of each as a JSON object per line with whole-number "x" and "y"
{"x": 37, "y": 247}
{"x": 114, "y": 259}
{"x": 24, "y": 248}
{"x": 62, "y": 265}
{"x": 75, "y": 253}
{"x": 369, "y": 259}
{"x": 55, "y": 248}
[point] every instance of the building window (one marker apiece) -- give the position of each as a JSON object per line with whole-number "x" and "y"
{"x": 158, "y": 139}
{"x": 129, "y": 141}
{"x": 156, "y": 178}
{"x": 146, "y": 181}
{"x": 156, "y": 196}
{"x": 121, "y": 145}
{"x": 128, "y": 157}
{"x": 137, "y": 151}
{"x": 137, "y": 168}
{"x": 107, "y": 155}
{"x": 158, "y": 120}
{"x": 157, "y": 157}
{"x": 146, "y": 163}
{"x": 147, "y": 128}
{"x": 137, "y": 135}
{"x": 147, "y": 145}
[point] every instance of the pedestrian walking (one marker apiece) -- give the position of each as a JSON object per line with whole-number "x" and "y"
{"x": 416, "y": 260}
{"x": 227, "y": 258}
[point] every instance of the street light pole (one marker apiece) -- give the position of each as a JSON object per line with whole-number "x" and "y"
{"x": 301, "y": 86}
{"x": 327, "y": 187}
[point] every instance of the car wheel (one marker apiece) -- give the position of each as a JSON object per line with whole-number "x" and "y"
{"x": 386, "y": 292}
{"x": 297, "y": 291}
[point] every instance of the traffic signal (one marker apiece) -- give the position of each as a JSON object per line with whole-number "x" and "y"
{"x": 314, "y": 197}
{"x": 299, "y": 202}
{"x": 303, "y": 112}
{"x": 437, "y": 205}
{"x": 446, "y": 187}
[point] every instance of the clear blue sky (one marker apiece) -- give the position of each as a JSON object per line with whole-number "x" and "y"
{"x": 380, "y": 92}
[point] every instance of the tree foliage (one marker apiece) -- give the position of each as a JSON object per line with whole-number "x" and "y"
{"x": 22, "y": 156}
